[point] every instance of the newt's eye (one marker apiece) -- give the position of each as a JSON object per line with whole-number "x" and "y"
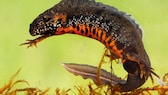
{"x": 40, "y": 23}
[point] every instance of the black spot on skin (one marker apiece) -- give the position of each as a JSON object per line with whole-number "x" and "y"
{"x": 73, "y": 32}
{"x": 97, "y": 34}
{"x": 73, "y": 25}
{"x": 82, "y": 32}
{"x": 90, "y": 36}
{"x": 90, "y": 26}
{"x": 77, "y": 28}
{"x": 62, "y": 31}
{"x": 110, "y": 47}
{"x": 109, "y": 41}
{"x": 119, "y": 45}
{"x": 94, "y": 31}
{"x": 108, "y": 34}
{"x": 101, "y": 35}
{"x": 86, "y": 31}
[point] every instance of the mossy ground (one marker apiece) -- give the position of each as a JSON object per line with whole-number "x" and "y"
{"x": 10, "y": 88}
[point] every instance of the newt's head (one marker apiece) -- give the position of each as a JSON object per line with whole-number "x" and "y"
{"x": 47, "y": 24}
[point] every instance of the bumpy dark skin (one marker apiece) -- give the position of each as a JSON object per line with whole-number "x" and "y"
{"x": 116, "y": 30}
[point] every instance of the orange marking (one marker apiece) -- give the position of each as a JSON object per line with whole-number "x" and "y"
{"x": 84, "y": 29}
{"x": 107, "y": 39}
{"x": 80, "y": 28}
{"x": 104, "y": 36}
{"x": 91, "y": 32}
{"x": 58, "y": 32}
{"x": 112, "y": 43}
{"x": 123, "y": 61}
{"x": 69, "y": 29}
{"x": 140, "y": 64}
{"x": 132, "y": 58}
{"x": 117, "y": 52}
{"x": 114, "y": 47}
{"x": 62, "y": 16}
{"x": 99, "y": 33}
{"x": 96, "y": 30}
{"x": 88, "y": 30}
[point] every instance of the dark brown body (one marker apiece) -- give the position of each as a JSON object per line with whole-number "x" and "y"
{"x": 116, "y": 30}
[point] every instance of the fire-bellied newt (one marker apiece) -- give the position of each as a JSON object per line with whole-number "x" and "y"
{"x": 115, "y": 29}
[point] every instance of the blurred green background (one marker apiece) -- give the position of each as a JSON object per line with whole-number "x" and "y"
{"x": 41, "y": 66}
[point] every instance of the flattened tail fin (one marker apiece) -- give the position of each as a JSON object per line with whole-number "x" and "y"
{"x": 90, "y": 72}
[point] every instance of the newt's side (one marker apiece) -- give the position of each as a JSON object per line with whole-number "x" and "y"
{"x": 116, "y": 30}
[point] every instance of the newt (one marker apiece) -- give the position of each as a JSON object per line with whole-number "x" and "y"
{"x": 115, "y": 29}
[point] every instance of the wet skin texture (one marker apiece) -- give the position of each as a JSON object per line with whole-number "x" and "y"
{"x": 116, "y": 30}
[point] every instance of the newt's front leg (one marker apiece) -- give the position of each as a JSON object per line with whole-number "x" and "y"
{"x": 34, "y": 42}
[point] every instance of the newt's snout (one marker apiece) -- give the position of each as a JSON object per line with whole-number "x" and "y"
{"x": 33, "y": 31}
